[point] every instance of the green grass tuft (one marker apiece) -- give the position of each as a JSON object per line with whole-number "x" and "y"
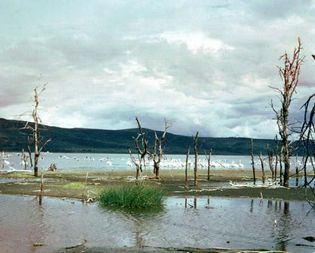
{"x": 74, "y": 185}
{"x": 132, "y": 197}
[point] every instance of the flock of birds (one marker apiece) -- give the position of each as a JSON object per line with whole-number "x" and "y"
{"x": 109, "y": 162}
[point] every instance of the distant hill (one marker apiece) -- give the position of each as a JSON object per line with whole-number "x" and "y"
{"x": 12, "y": 138}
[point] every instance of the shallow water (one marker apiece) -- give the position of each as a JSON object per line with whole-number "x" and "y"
{"x": 184, "y": 222}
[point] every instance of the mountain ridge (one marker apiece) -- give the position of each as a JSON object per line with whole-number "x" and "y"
{"x": 12, "y": 138}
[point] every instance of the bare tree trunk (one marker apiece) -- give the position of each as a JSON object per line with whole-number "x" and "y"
{"x": 280, "y": 168}
{"x": 253, "y": 161}
{"x": 186, "y": 168}
{"x": 24, "y": 159}
{"x": 262, "y": 168}
{"x": 286, "y": 152}
{"x": 196, "y": 159}
{"x": 156, "y": 169}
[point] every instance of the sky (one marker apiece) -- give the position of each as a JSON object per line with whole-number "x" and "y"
{"x": 203, "y": 66}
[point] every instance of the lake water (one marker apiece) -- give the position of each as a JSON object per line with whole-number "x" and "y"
{"x": 185, "y": 222}
{"x": 105, "y": 162}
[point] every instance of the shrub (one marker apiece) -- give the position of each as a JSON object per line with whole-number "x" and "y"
{"x": 132, "y": 197}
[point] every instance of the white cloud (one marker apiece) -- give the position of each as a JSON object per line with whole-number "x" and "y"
{"x": 195, "y": 42}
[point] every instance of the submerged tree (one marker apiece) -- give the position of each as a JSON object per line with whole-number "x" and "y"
{"x": 289, "y": 74}
{"x": 35, "y": 131}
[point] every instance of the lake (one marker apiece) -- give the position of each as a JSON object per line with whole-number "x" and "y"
{"x": 203, "y": 222}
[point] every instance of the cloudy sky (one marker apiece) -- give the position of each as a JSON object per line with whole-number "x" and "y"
{"x": 203, "y": 65}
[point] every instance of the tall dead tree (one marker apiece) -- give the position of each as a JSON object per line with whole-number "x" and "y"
{"x": 289, "y": 74}
{"x": 252, "y": 158}
{"x": 157, "y": 153}
{"x": 195, "y": 140}
{"x": 35, "y": 129}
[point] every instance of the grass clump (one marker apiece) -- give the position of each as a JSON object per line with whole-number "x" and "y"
{"x": 132, "y": 197}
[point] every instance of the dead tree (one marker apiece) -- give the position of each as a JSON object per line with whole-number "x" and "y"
{"x": 276, "y": 165}
{"x": 307, "y": 138}
{"x": 34, "y": 128}
{"x": 24, "y": 159}
{"x": 141, "y": 144}
{"x": 2, "y": 160}
{"x": 289, "y": 74}
{"x": 262, "y": 168}
{"x": 270, "y": 161}
{"x": 195, "y": 140}
{"x": 208, "y": 156}
{"x": 253, "y": 161}
{"x": 157, "y": 153}
{"x": 186, "y": 167}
